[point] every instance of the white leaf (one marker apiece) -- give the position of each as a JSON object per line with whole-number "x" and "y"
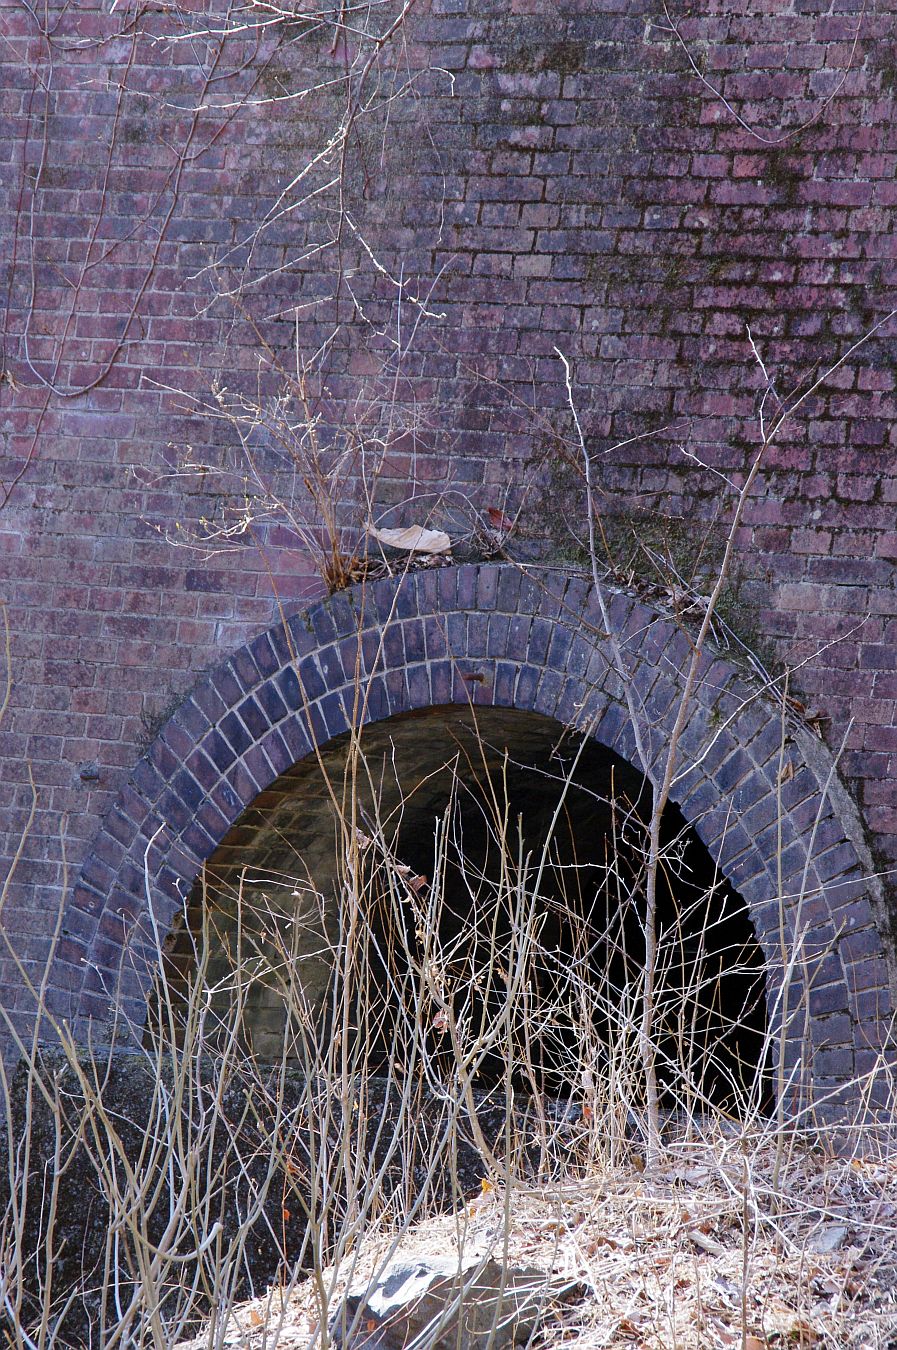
{"x": 414, "y": 539}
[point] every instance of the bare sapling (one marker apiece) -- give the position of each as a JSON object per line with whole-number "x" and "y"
{"x": 662, "y": 763}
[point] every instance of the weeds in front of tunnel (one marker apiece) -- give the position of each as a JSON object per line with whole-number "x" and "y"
{"x": 452, "y": 1046}
{"x": 424, "y": 1061}
{"x": 660, "y": 756}
{"x": 475, "y": 1034}
{"x": 469, "y": 1046}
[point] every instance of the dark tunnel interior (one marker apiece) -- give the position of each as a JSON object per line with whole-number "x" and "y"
{"x": 519, "y": 808}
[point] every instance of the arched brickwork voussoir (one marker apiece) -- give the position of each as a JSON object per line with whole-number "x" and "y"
{"x": 487, "y": 633}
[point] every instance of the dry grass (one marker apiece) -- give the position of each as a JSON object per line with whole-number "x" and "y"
{"x": 703, "y": 1254}
{"x": 447, "y": 1007}
{"x": 454, "y": 993}
{"x": 445, "y": 998}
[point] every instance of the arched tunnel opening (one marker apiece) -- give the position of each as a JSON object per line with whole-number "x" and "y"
{"x": 496, "y": 866}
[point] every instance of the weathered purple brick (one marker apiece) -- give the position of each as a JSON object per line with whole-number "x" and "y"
{"x": 267, "y": 658}
{"x": 342, "y": 614}
{"x": 527, "y": 687}
{"x": 201, "y": 844}
{"x": 413, "y": 637}
{"x": 508, "y": 592}
{"x": 162, "y": 757}
{"x": 456, "y": 629}
{"x": 227, "y": 686}
{"x": 427, "y": 589}
{"x": 419, "y": 686}
{"x": 447, "y": 589}
{"x": 276, "y": 748}
{"x": 406, "y": 601}
{"x": 323, "y": 626}
{"x": 187, "y": 789}
{"x": 147, "y": 780}
{"x": 270, "y": 702}
{"x": 245, "y": 669}
{"x": 435, "y": 637}
{"x": 253, "y": 718}
{"x": 505, "y": 681}
{"x": 487, "y": 588}
{"x": 311, "y": 683}
{"x": 298, "y": 742}
{"x": 334, "y": 714}
{"x": 540, "y": 636}
{"x": 733, "y": 770}
{"x": 440, "y": 681}
{"x": 235, "y": 732}
{"x": 175, "y": 810}
{"x": 393, "y": 647}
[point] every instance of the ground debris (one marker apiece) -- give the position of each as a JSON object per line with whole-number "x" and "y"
{"x": 454, "y": 1304}
{"x": 703, "y": 1254}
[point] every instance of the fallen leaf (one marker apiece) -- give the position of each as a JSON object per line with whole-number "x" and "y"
{"x": 829, "y": 1239}
{"x": 413, "y": 539}
{"x": 817, "y": 720}
{"x": 728, "y": 1289}
{"x": 617, "y": 1244}
{"x": 498, "y": 520}
{"x": 802, "y": 1332}
{"x": 692, "y": 1176}
{"x": 628, "y": 1327}
{"x": 706, "y": 1244}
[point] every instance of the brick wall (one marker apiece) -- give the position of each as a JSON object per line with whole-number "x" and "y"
{"x": 575, "y": 177}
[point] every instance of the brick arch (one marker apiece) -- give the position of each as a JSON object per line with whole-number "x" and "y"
{"x": 488, "y": 634}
